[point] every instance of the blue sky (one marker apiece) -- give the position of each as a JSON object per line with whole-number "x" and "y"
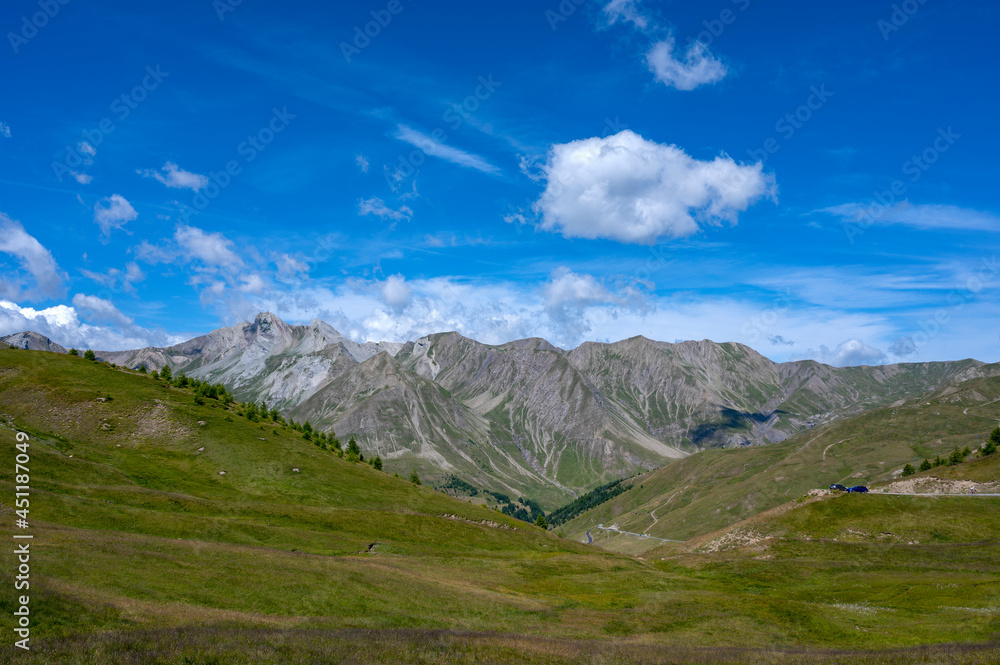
{"x": 816, "y": 181}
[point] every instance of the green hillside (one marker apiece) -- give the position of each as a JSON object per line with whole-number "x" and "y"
{"x": 715, "y": 488}
{"x": 144, "y": 553}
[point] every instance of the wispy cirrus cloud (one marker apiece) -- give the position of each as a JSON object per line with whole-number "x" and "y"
{"x": 626, "y": 10}
{"x": 923, "y": 216}
{"x": 436, "y": 148}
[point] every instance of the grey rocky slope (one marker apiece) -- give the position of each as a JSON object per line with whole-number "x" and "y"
{"x": 527, "y": 418}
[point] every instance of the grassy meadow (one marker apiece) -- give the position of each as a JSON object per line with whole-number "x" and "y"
{"x": 144, "y": 553}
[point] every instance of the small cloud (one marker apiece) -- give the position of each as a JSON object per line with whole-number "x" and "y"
{"x": 87, "y": 149}
{"x": 4, "y": 130}
{"x": 904, "y": 347}
{"x": 252, "y": 284}
{"x": 697, "y": 67}
{"x": 82, "y": 178}
{"x": 98, "y": 309}
{"x": 362, "y": 162}
{"x": 116, "y": 279}
{"x": 212, "y": 249}
{"x": 376, "y": 206}
{"x": 516, "y": 217}
{"x": 850, "y": 353}
{"x": 173, "y": 176}
{"x": 412, "y": 194}
{"x": 436, "y": 148}
{"x": 568, "y": 294}
{"x": 778, "y": 340}
{"x": 290, "y": 267}
{"x": 396, "y": 293}
{"x": 113, "y": 212}
{"x": 625, "y": 10}
{"x": 531, "y": 166}
{"x": 36, "y": 261}
{"x": 924, "y": 217}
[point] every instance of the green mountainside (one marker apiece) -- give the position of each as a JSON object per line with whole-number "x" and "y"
{"x": 716, "y": 488}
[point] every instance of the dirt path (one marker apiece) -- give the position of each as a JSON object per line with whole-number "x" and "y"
{"x": 965, "y": 411}
{"x": 652, "y": 514}
{"x": 833, "y": 444}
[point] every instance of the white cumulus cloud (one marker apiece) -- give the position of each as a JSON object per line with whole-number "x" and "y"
{"x": 626, "y": 188}
{"x": 396, "y": 293}
{"x": 4, "y": 130}
{"x": 696, "y": 67}
{"x": 113, "y": 212}
{"x": 62, "y": 324}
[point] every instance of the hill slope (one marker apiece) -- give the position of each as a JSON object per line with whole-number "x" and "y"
{"x": 716, "y": 488}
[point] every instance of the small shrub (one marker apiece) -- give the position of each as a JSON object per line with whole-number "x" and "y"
{"x": 908, "y": 470}
{"x": 72, "y": 352}
{"x": 414, "y": 478}
{"x": 89, "y": 355}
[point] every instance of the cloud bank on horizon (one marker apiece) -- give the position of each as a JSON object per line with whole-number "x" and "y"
{"x": 574, "y": 172}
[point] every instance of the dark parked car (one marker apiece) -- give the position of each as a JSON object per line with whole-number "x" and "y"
{"x": 858, "y": 489}
{"x": 838, "y": 487}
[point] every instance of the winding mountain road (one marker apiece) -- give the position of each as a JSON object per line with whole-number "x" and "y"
{"x": 637, "y": 535}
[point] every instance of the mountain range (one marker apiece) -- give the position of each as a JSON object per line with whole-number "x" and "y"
{"x": 527, "y": 418}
